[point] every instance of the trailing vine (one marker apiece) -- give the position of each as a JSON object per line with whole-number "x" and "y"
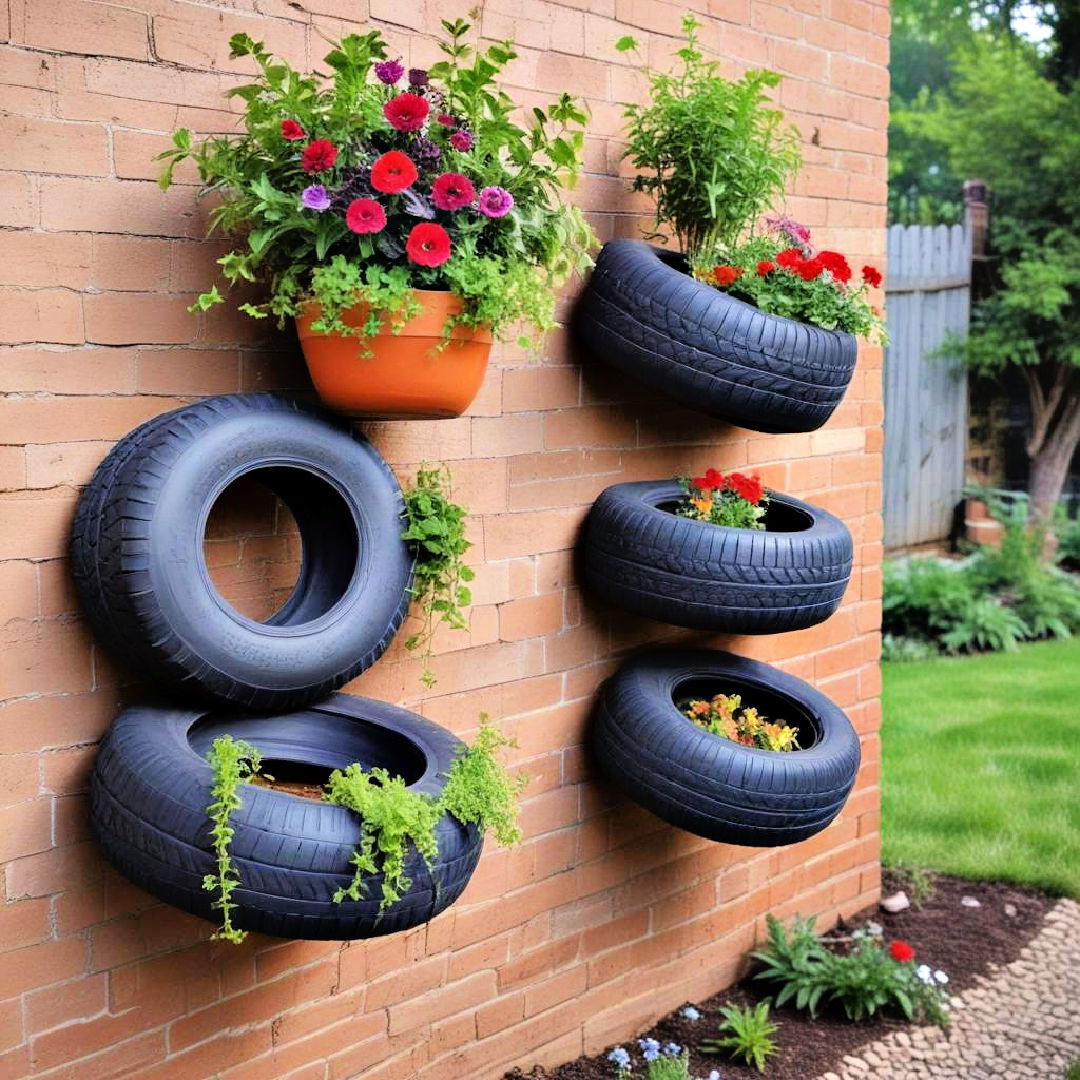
{"x": 437, "y": 533}
{"x": 390, "y": 817}
{"x": 234, "y": 762}
{"x": 478, "y": 791}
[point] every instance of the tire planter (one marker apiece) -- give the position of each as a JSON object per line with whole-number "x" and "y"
{"x": 642, "y": 312}
{"x": 641, "y": 556}
{"x": 402, "y": 375}
{"x": 151, "y": 786}
{"x": 709, "y": 785}
{"x": 142, "y": 579}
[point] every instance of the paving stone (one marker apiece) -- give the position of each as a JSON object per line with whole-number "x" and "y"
{"x": 1020, "y": 1021}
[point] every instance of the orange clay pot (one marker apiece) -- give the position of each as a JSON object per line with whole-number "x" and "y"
{"x": 406, "y": 375}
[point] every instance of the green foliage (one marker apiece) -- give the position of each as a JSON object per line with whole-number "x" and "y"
{"x": 991, "y": 602}
{"x": 750, "y": 1036}
{"x": 1074, "y": 1071}
{"x": 391, "y": 818}
{"x": 711, "y": 151}
{"x": 437, "y": 533}
{"x": 480, "y": 792}
{"x": 823, "y": 300}
{"x": 1068, "y": 537}
{"x": 506, "y": 268}
{"x": 864, "y": 981}
{"x": 233, "y": 762}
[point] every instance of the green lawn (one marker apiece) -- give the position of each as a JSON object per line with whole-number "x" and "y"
{"x": 981, "y": 765}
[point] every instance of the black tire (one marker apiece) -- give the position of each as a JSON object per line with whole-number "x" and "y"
{"x": 644, "y": 558}
{"x": 151, "y": 786}
{"x": 709, "y": 785}
{"x": 142, "y": 580}
{"x": 641, "y": 312}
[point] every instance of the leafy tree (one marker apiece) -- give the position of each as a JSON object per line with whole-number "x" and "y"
{"x": 1007, "y": 122}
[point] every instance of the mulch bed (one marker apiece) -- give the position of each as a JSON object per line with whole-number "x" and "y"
{"x": 961, "y": 940}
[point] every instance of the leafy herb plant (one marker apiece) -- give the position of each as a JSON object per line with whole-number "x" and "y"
{"x": 437, "y": 533}
{"x": 368, "y": 181}
{"x": 478, "y": 791}
{"x": 750, "y": 1035}
{"x": 233, "y": 762}
{"x": 712, "y": 151}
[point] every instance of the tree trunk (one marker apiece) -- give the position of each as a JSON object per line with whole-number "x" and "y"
{"x": 1054, "y": 435}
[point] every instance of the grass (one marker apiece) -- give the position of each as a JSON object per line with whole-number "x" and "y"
{"x": 980, "y": 765}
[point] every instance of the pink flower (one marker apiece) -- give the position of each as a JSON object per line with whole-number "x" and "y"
{"x": 428, "y": 244}
{"x": 291, "y": 130}
{"x": 461, "y": 140}
{"x": 452, "y": 191}
{"x": 495, "y": 202}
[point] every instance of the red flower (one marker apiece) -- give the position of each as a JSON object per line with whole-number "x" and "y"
{"x": 808, "y": 269}
{"x": 428, "y": 244}
{"x": 724, "y": 276}
{"x": 407, "y": 112}
{"x": 746, "y": 487}
{"x": 393, "y": 172}
{"x": 765, "y": 267}
{"x": 291, "y": 130}
{"x": 790, "y": 257}
{"x": 713, "y": 480}
{"x": 836, "y": 264}
{"x": 872, "y": 276}
{"x": 319, "y": 155}
{"x": 901, "y": 951}
{"x": 365, "y": 216}
{"x": 447, "y": 120}
{"x": 452, "y": 191}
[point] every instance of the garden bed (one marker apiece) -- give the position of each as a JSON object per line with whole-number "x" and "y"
{"x": 945, "y": 932}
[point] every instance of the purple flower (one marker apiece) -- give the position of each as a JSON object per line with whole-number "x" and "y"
{"x": 495, "y": 202}
{"x": 461, "y": 140}
{"x": 389, "y": 71}
{"x": 798, "y": 234}
{"x": 418, "y": 77}
{"x": 425, "y": 150}
{"x": 315, "y": 197}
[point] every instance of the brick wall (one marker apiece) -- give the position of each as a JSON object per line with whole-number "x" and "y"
{"x": 603, "y": 918}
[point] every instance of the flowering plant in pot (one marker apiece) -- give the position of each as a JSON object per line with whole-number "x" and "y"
{"x": 401, "y": 217}
{"x": 767, "y": 347}
{"x": 735, "y": 501}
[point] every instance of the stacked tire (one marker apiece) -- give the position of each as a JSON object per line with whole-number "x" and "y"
{"x": 643, "y": 313}
{"x": 145, "y": 588}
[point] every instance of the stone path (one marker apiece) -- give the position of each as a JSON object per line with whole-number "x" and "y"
{"x": 1020, "y": 1022}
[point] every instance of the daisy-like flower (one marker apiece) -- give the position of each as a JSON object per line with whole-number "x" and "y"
{"x": 940, "y": 977}
{"x": 688, "y": 1012}
{"x": 672, "y": 1049}
{"x": 924, "y": 973}
{"x": 620, "y": 1057}
{"x": 650, "y": 1049}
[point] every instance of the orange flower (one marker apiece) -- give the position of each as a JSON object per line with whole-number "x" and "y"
{"x": 702, "y": 506}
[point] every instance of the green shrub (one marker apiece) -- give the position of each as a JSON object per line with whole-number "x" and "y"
{"x": 1068, "y": 536}
{"x": 751, "y": 1035}
{"x": 865, "y": 981}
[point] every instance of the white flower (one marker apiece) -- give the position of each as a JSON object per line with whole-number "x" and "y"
{"x": 688, "y": 1012}
{"x": 874, "y": 929}
{"x": 923, "y": 971}
{"x": 941, "y": 977}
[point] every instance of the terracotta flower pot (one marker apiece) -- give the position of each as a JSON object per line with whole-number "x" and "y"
{"x": 406, "y": 375}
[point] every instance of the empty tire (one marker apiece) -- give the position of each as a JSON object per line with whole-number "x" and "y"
{"x": 142, "y": 579}
{"x": 705, "y": 783}
{"x": 642, "y": 557}
{"x": 151, "y": 786}
{"x": 641, "y": 312}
